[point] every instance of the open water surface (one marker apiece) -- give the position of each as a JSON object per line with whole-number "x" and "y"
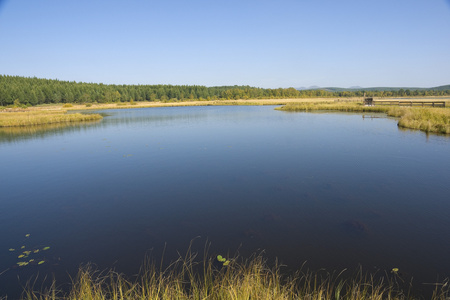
{"x": 335, "y": 190}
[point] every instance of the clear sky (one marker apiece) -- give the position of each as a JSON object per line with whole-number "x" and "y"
{"x": 270, "y": 44}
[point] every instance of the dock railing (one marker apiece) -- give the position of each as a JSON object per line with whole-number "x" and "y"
{"x": 410, "y": 103}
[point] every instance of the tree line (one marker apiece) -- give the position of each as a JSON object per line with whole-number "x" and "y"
{"x": 34, "y": 91}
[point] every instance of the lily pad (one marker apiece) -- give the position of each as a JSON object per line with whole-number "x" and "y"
{"x": 23, "y": 247}
{"x": 220, "y": 258}
{"x": 41, "y": 262}
{"x": 226, "y": 263}
{"x": 45, "y": 248}
{"x": 20, "y": 256}
{"x": 27, "y": 235}
{"x": 36, "y": 251}
{"x": 394, "y": 270}
{"x": 11, "y": 249}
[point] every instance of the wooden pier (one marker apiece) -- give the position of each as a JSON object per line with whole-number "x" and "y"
{"x": 410, "y": 103}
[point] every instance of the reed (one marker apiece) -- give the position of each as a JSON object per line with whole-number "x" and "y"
{"x": 39, "y": 117}
{"x": 337, "y": 106}
{"x": 428, "y": 119}
{"x": 241, "y": 279}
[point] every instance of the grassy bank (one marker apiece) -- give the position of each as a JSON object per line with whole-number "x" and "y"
{"x": 39, "y": 117}
{"x": 251, "y": 279}
{"x": 428, "y": 119}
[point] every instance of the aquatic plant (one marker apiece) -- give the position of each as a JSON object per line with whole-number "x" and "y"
{"x": 187, "y": 278}
{"x": 224, "y": 261}
{"x": 24, "y": 254}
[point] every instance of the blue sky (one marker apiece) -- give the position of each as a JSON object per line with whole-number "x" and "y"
{"x": 268, "y": 44}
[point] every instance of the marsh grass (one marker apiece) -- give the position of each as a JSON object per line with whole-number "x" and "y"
{"x": 425, "y": 119}
{"x": 336, "y": 106}
{"x": 39, "y": 117}
{"x": 428, "y": 119}
{"x": 188, "y": 278}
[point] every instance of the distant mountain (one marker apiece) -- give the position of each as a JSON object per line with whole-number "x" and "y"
{"x": 358, "y": 88}
{"x": 313, "y": 87}
{"x": 442, "y": 88}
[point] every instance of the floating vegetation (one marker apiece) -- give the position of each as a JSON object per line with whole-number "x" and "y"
{"x": 223, "y": 260}
{"x": 394, "y": 270}
{"x": 30, "y": 251}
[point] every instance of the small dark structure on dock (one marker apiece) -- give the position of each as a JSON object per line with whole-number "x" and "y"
{"x": 368, "y": 101}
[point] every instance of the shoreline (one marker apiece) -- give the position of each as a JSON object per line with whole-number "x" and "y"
{"x": 426, "y": 119}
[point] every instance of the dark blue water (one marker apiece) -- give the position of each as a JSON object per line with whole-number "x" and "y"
{"x": 335, "y": 190}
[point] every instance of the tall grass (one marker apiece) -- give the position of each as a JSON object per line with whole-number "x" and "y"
{"x": 39, "y": 117}
{"x": 429, "y": 119}
{"x": 425, "y": 119}
{"x": 241, "y": 279}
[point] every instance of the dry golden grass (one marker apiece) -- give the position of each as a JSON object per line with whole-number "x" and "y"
{"x": 39, "y": 117}
{"x": 250, "y": 279}
{"x": 142, "y": 104}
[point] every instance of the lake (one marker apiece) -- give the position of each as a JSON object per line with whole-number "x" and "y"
{"x": 333, "y": 190}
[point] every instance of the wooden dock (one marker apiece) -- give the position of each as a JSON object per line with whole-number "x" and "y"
{"x": 410, "y": 103}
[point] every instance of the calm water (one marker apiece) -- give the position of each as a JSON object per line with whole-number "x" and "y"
{"x": 335, "y": 190}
